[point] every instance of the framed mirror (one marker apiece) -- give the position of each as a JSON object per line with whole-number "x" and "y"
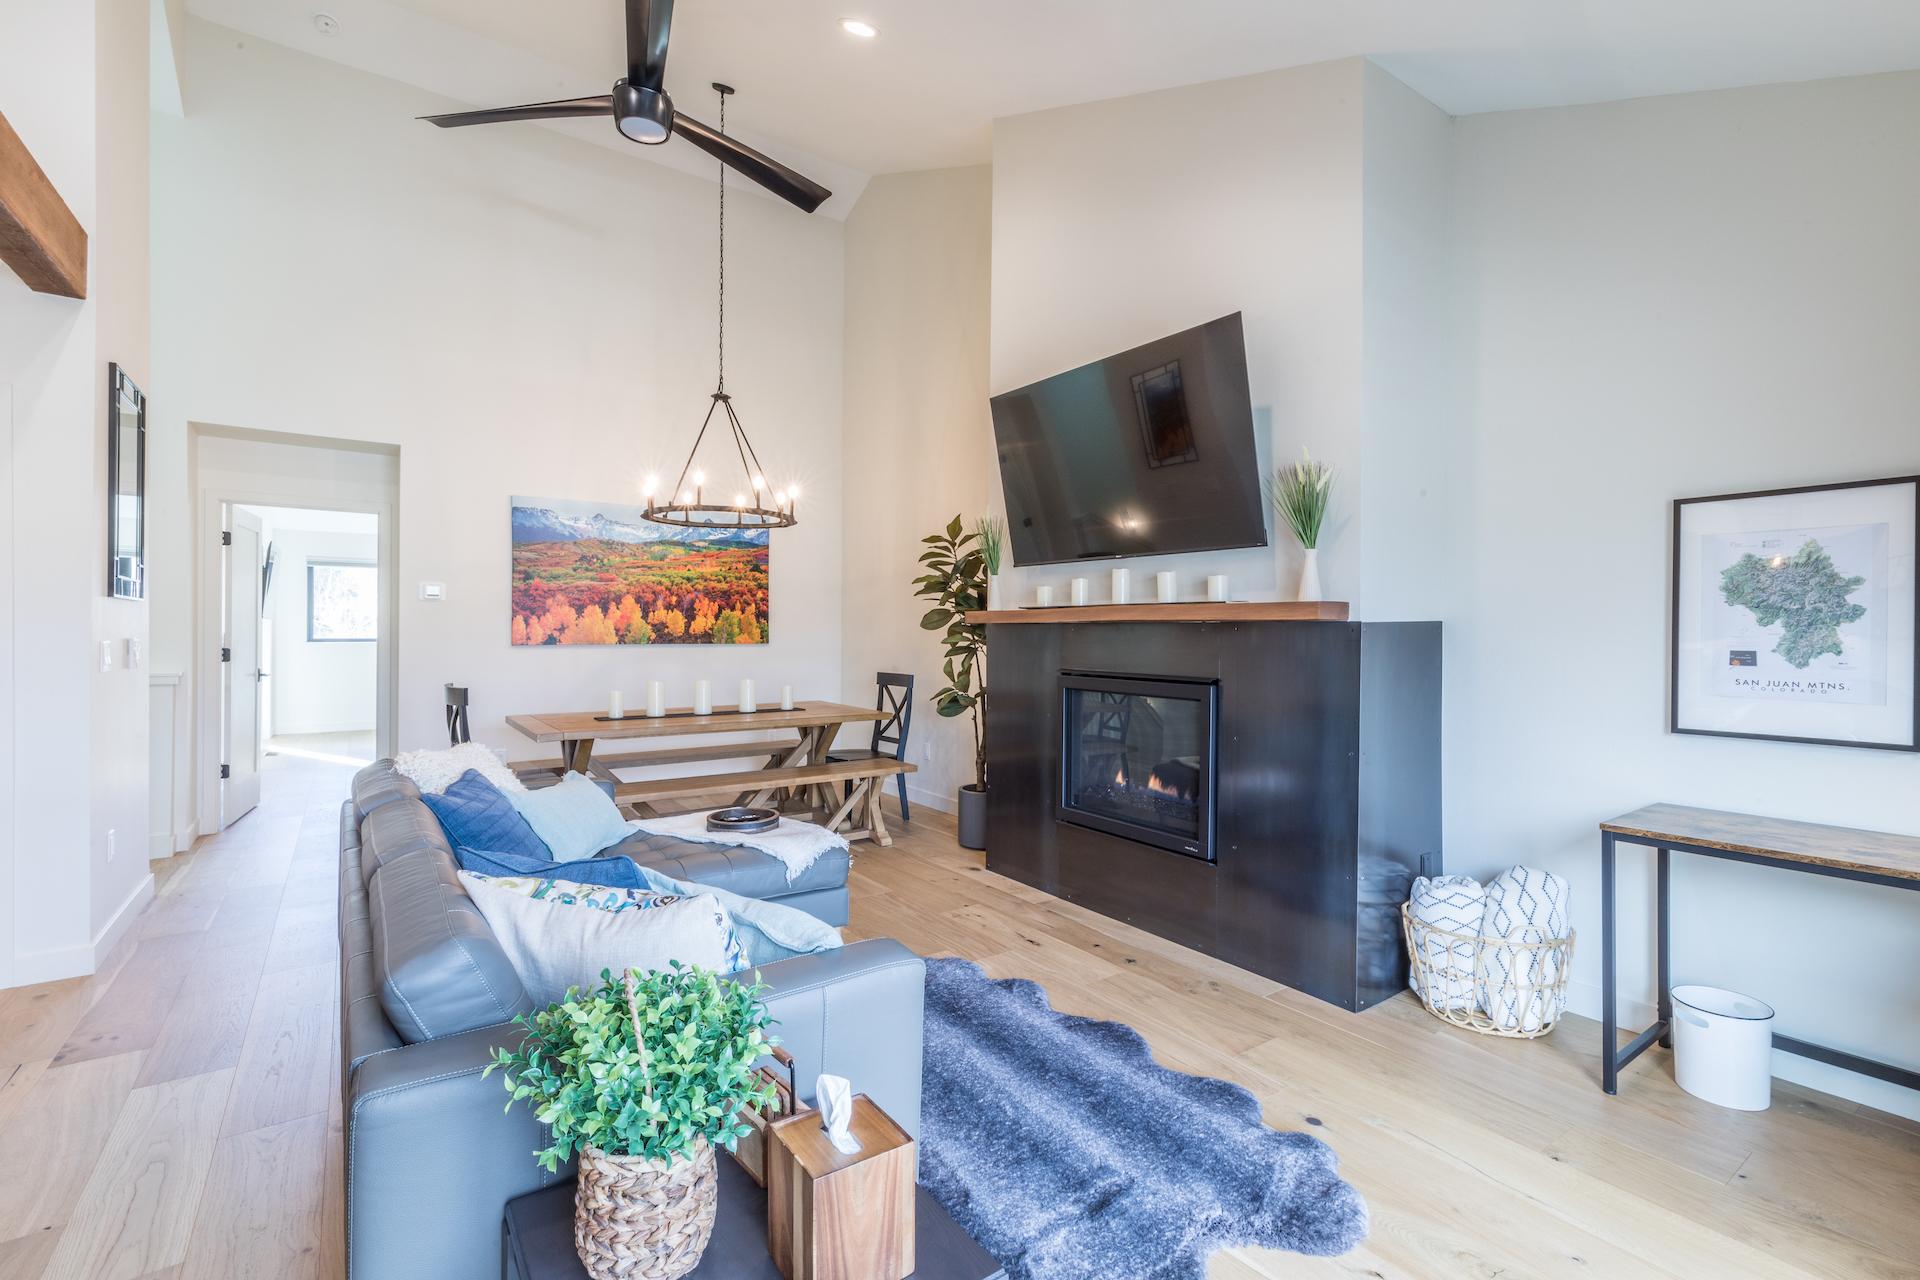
{"x": 126, "y": 487}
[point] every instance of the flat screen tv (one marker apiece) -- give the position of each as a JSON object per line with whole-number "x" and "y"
{"x": 1144, "y": 453}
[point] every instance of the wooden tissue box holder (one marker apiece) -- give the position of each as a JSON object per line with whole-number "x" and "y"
{"x": 841, "y": 1217}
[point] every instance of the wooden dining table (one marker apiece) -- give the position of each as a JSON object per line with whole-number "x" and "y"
{"x": 816, "y": 724}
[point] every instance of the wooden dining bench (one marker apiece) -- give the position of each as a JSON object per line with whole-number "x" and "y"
{"x": 846, "y": 790}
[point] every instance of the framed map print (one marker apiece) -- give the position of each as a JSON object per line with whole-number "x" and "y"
{"x": 1795, "y": 612}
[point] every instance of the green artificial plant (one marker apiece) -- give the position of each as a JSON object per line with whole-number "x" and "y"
{"x": 991, "y": 534}
{"x": 956, "y": 581}
{"x": 643, "y": 1066}
{"x": 1300, "y": 493}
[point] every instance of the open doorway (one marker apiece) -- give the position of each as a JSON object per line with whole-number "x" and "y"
{"x": 318, "y": 678}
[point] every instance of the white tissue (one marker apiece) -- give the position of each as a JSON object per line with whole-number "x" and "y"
{"x": 834, "y": 1094}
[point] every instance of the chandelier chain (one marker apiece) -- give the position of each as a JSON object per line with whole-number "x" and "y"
{"x": 723, "y": 252}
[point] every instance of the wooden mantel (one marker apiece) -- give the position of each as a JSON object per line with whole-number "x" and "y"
{"x": 39, "y": 237}
{"x": 1195, "y": 611}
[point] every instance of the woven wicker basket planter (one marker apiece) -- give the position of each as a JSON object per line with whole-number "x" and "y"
{"x": 1461, "y": 976}
{"x": 636, "y": 1218}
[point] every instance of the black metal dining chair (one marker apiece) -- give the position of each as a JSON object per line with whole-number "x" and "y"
{"x": 458, "y": 731}
{"x": 893, "y": 699}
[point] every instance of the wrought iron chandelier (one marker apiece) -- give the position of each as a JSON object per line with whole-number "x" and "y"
{"x": 754, "y": 506}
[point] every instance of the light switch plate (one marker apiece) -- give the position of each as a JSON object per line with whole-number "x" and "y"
{"x": 133, "y": 655}
{"x": 433, "y": 591}
{"x": 106, "y": 655}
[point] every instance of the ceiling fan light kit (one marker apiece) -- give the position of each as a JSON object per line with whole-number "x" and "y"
{"x": 640, "y": 108}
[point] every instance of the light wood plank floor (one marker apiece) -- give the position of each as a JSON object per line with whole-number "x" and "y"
{"x": 173, "y": 1117}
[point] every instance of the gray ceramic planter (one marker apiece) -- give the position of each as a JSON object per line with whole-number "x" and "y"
{"x": 973, "y": 817}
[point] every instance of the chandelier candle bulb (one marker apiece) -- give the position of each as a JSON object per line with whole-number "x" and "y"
{"x": 1121, "y": 586}
{"x": 1079, "y": 591}
{"x": 703, "y": 697}
{"x": 1164, "y": 588}
{"x": 656, "y": 699}
{"x": 616, "y": 706}
{"x": 746, "y": 696}
{"x": 786, "y": 697}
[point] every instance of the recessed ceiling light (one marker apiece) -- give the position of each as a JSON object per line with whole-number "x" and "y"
{"x": 855, "y": 27}
{"x": 326, "y": 24}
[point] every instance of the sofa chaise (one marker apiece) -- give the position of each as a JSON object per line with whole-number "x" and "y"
{"x": 426, "y": 993}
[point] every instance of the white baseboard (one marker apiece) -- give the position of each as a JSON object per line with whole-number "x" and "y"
{"x": 1584, "y": 998}
{"x": 77, "y": 962}
{"x": 943, "y": 801}
{"x": 183, "y": 838}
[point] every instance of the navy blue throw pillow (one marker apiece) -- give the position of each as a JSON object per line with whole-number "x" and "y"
{"x": 475, "y": 813}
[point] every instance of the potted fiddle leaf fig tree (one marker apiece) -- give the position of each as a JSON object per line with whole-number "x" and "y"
{"x": 956, "y": 582}
{"x": 641, "y": 1079}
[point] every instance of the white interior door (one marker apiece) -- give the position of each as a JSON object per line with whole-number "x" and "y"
{"x": 244, "y": 668}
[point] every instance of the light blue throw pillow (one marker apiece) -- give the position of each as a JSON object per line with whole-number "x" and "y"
{"x": 574, "y": 816}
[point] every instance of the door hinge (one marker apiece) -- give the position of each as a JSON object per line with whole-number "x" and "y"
{"x": 226, "y": 655}
{"x": 226, "y": 537}
{"x": 226, "y": 771}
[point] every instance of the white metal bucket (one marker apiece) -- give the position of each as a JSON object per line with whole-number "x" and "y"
{"x": 1723, "y": 1047}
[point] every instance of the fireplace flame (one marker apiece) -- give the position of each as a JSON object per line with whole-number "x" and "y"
{"x": 1160, "y": 786}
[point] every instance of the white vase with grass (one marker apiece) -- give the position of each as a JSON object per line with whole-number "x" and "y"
{"x": 1300, "y": 494}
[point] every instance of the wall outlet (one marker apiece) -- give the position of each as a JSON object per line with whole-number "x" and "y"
{"x": 106, "y": 655}
{"x": 433, "y": 591}
{"x": 113, "y": 843}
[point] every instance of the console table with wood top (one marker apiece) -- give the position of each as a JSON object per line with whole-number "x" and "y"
{"x": 1875, "y": 857}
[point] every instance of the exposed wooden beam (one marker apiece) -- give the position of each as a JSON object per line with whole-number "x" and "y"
{"x": 39, "y": 237}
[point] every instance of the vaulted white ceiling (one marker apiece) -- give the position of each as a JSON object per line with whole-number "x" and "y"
{"x": 924, "y": 93}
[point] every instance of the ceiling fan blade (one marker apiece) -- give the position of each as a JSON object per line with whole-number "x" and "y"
{"x": 770, "y": 173}
{"x": 647, "y": 25}
{"x": 597, "y": 106}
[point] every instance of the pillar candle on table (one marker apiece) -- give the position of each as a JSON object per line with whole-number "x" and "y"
{"x": 656, "y": 699}
{"x": 1121, "y": 585}
{"x": 786, "y": 697}
{"x": 1163, "y": 583}
{"x": 1079, "y": 590}
{"x": 746, "y": 696}
{"x": 703, "y": 697}
{"x": 1044, "y": 597}
{"x": 1217, "y": 587}
{"x": 616, "y": 705}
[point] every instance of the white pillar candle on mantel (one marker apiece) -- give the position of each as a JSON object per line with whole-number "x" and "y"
{"x": 1079, "y": 591}
{"x": 1121, "y": 586}
{"x": 656, "y": 699}
{"x": 746, "y": 696}
{"x": 1217, "y": 587}
{"x": 786, "y": 697}
{"x": 1163, "y": 583}
{"x": 703, "y": 697}
{"x": 616, "y": 706}
{"x": 1044, "y": 596}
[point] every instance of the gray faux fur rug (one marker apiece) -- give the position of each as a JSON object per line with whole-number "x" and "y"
{"x": 1069, "y": 1154}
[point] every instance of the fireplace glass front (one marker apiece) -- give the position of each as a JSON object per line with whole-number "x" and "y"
{"x": 1136, "y": 759}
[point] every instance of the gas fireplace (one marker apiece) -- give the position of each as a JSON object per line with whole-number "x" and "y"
{"x": 1137, "y": 759}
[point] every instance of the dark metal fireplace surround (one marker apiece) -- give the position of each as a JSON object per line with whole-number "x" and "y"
{"x": 1136, "y": 759}
{"x": 1263, "y": 792}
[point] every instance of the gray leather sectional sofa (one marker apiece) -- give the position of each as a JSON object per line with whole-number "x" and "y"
{"x": 426, "y": 993}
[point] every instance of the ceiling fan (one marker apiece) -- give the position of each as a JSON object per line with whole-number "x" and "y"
{"x": 644, "y": 113}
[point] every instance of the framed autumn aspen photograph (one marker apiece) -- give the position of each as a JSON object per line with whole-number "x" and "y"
{"x": 1795, "y": 613}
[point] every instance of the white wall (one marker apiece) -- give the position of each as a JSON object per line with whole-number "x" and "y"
{"x": 74, "y": 759}
{"x": 318, "y": 686}
{"x": 1118, "y": 222}
{"x": 1660, "y": 299}
{"x": 918, "y": 438}
{"x": 518, "y": 313}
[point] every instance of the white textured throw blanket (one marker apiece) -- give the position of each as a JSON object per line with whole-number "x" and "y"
{"x": 797, "y": 844}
